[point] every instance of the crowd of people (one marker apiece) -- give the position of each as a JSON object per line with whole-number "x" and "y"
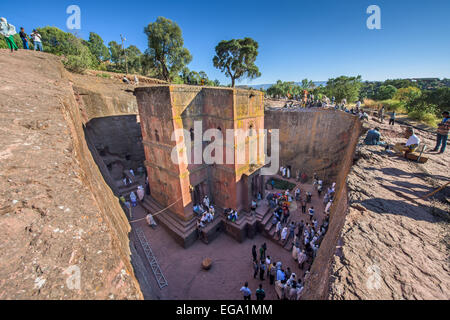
{"x": 205, "y": 212}
{"x": 285, "y": 282}
{"x": 8, "y": 31}
{"x": 308, "y": 100}
{"x": 306, "y": 235}
{"x": 373, "y": 137}
{"x": 135, "y": 195}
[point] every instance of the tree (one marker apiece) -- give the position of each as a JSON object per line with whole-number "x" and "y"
{"x": 435, "y": 101}
{"x": 400, "y": 83}
{"x": 386, "y": 92}
{"x": 236, "y": 58}
{"x": 285, "y": 89}
{"x": 97, "y": 47}
{"x": 165, "y": 48}
{"x": 115, "y": 51}
{"x": 344, "y": 88}
{"x": 407, "y": 95}
{"x": 134, "y": 59}
{"x": 77, "y": 56}
{"x": 306, "y": 84}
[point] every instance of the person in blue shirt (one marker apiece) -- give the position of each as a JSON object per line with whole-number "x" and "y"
{"x": 392, "y": 118}
{"x": 373, "y": 137}
{"x": 280, "y": 275}
{"x": 247, "y": 293}
{"x": 442, "y": 132}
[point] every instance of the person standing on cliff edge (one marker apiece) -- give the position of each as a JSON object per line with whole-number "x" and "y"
{"x": 8, "y": 31}
{"x": 37, "y": 40}
{"x": 442, "y": 133}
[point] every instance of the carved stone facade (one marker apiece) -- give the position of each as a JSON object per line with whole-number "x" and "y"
{"x": 166, "y": 108}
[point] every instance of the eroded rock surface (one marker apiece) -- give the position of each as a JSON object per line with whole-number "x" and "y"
{"x": 58, "y": 218}
{"x": 394, "y": 244}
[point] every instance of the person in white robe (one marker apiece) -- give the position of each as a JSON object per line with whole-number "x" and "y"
{"x": 327, "y": 208}
{"x": 301, "y": 259}
{"x": 284, "y": 233}
{"x": 206, "y": 201}
{"x": 292, "y": 279}
{"x": 140, "y": 193}
{"x": 151, "y": 221}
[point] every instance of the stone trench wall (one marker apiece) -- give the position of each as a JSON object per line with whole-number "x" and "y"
{"x": 321, "y": 141}
{"x": 122, "y": 137}
{"x": 109, "y": 115}
{"x": 78, "y": 110}
{"x": 318, "y": 283}
{"x": 312, "y": 140}
{"x": 59, "y": 220}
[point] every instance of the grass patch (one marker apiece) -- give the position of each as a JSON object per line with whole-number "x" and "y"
{"x": 391, "y": 105}
{"x": 282, "y": 184}
{"x": 104, "y": 75}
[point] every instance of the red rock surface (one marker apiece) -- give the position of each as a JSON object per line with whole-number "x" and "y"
{"x": 51, "y": 218}
{"x": 394, "y": 245}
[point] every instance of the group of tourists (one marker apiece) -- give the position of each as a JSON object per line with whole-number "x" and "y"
{"x": 373, "y": 137}
{"x": 382, "y": 115}
{"x": 287, "y": 285}
{"x": 285, "y": 172}
{"x": 306, "y": 238}
{"x": 357, "y": 110}
{"x": 205, "y": 211}
{"x": 136, "y": 195}
{"x": 309, "y": 101}
{"x": 127, "y": 81}
{"x": 231, "y": 214}
{"x": 8, "y": 31}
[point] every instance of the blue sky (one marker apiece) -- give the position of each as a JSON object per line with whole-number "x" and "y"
{"x": 297, "y": 39}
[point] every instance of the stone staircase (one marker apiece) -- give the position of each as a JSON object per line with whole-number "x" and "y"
{"x": 184, "y": 232}
{"x": 264, "y": 215}
{"x": 247, "y": 225}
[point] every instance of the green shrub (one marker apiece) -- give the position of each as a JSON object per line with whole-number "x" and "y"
{"x": 394, "y": 105}
{"x": 75, "y": 64}
{"x": 17, "y": 40}
{"x": 427, "y": 117}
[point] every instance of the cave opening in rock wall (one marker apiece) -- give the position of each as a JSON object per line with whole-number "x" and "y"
{"x": 312, "y": 142}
